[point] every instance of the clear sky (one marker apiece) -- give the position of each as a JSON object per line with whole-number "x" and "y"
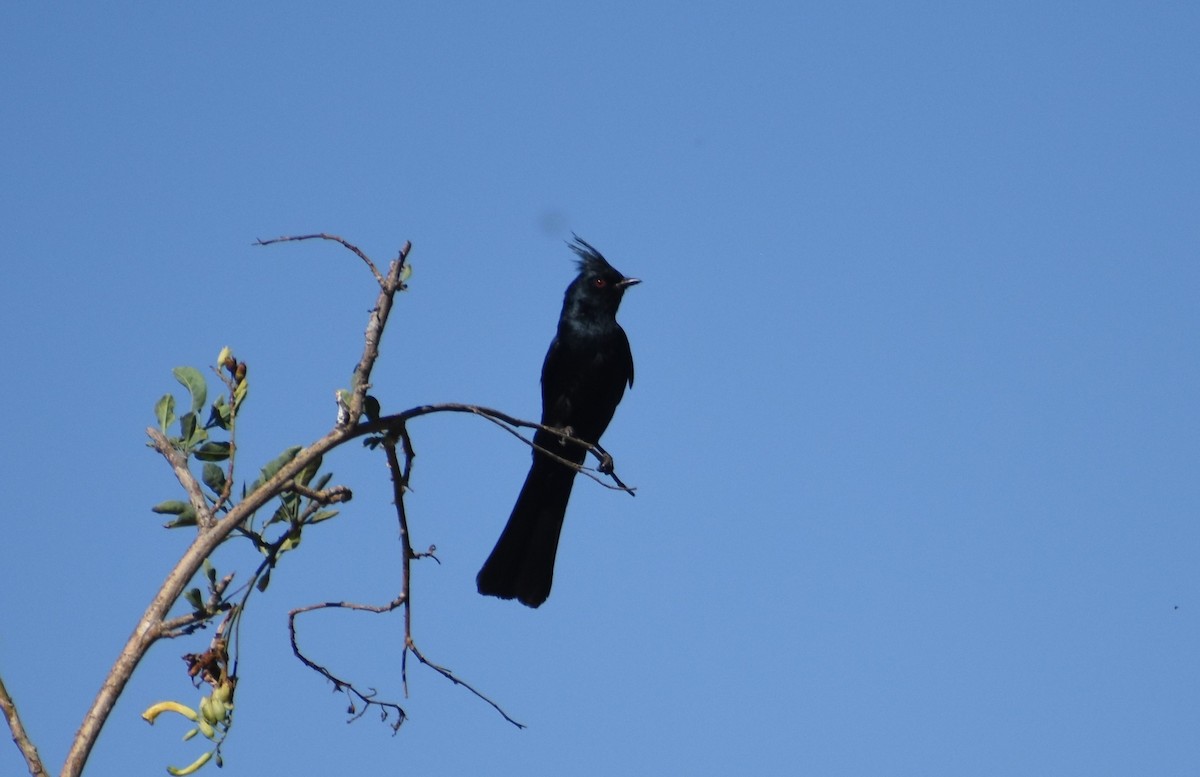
{"x": 915, "y": 427}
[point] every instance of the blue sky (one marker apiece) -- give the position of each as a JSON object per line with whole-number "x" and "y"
{"x": 914, "y": 431}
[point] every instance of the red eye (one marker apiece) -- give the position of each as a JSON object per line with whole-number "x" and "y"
{"x": 599, "y": 283}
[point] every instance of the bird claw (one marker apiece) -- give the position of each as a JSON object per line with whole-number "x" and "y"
{"x": 606, "y": 463}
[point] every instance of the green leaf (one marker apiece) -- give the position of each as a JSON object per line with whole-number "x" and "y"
{"x": 198, "y": 436}
{"x": 164, "y": 411}
{"x": 288, "y": 509}
{"x": 272, "y": 467}
{"x": 193, "y": 381}
{"x": 195, "y": 599}
{"x": 309, "y": 470}
{"x": 171, "y": 507}
{"x": 210, "y": 572}
{"x": 186, "y": 518}
{"x": 323, "y": 515}
{"x": 218, "y": 414}
{"x": 187, "y": 428}
{"x": 213, "y": 451}
{"x": 322, "y": 481}
{"x": 214, "y": 477}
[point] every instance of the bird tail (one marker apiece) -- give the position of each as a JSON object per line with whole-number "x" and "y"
{"x": 521, "y": 565}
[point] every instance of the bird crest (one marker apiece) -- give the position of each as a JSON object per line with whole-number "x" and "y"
{"x": 589, "y": 257}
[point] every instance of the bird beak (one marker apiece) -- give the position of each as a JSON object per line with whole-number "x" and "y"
{"x": 621, "y": 284}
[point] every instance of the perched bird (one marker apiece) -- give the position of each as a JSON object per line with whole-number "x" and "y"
{"x": 584, "y": 376}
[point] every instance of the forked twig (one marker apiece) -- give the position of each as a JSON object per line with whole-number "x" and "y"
{"x": 367, "y": 699}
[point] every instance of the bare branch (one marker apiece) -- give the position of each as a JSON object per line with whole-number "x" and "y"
{"x": 444, "y": 672}
{"x": 187, "y": 624}
{"x": 509, "y": 424}
{"x": 324, "y": 236}
{"x": 361, "y": 380}
{"x": 33, "y": 761}
{"x": 327, "y": 497}
{"x": 400, "y": 474}
{"x": 400, "y": 478}
{"x": 367, "y": 699}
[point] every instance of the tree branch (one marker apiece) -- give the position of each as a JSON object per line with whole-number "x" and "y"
{"x": 149, "y": 627}
{"x": 213, "y": 528}
{"x": 179, "y": 464}
{"x": 367, "y": 699}
{"x": 325, "y": 236}
{"x": 509, "y": 424}
{"x": 33, "y": 761}
{"x": 400, "y": 474}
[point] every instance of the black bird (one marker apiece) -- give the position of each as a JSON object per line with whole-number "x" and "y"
{"x": 583, "y": 378}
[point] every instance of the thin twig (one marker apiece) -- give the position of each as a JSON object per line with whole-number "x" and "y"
{"x": 348, "y": 688}
{"x": 360, "y": 381}
{"x": 192, "y": 621}
{"x": 509, "y": 424}
{"x": 326, "y": 497}
{"x": 399, "y": 477}
{"x": 33, "y": 761}
{"x": 444, "y": 672}
{"x": 325, "y": 236}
